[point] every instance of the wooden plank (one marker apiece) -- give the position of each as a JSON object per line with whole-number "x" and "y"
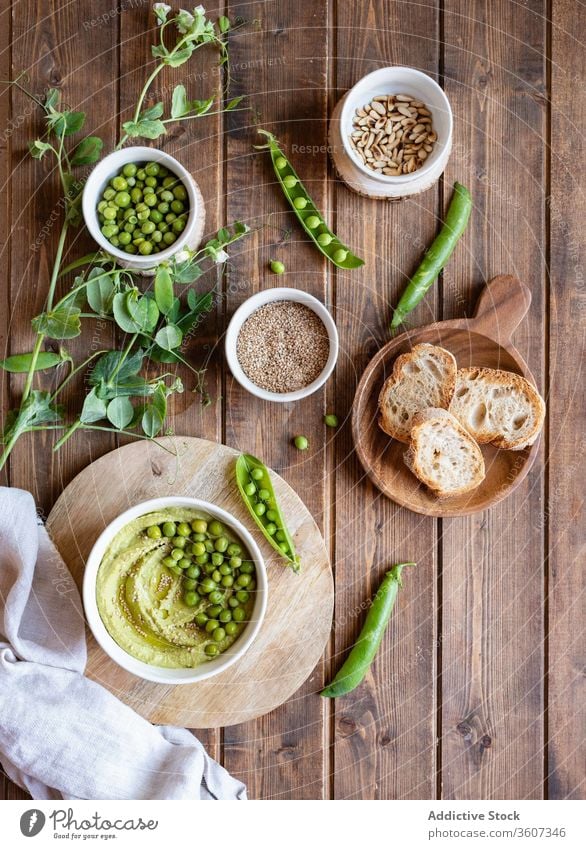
{"x": 565, "y": 519}
{"x": 197, "y": 144}
{"x": 384, "y": 732}
{"x": 6, "y": 133}
{"x": 492, "y": 601}
{"x": 36, "y": 216}
{"x": 282, "y": 754}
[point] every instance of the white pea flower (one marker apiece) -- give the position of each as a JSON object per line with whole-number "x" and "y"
{"x": 221, "y": 256}
{"x": 161, "y": 11}
{"x": 183, "y": 256}
{"x": 184, "y": 21}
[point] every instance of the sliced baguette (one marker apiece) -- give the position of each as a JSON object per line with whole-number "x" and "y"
{"x": 498, "y": 406}
{"x": 443, "y": 455}
{"x": 425, "y": 377}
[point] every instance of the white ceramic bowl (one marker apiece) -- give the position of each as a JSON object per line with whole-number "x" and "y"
{"x": 400, "y": 80}
{"x": 268, "y": 296}
{"x": 108, "y": 168}
{"x": 161, "y": 674}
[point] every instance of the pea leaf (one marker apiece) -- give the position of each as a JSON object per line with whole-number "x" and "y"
{"x": 164, "y": 295}
{"x": 87, "y": 151}
{"x": 152, "y": 112}
{"x": 120, "y": 412}
{"x": 199, "y": 303}
{"x": 234, "y": 103}
{"x": 66, "y": 123}
{"x": 109, "y": 363}
{"x": 144, "y": 129}
{"x": 38, "y": 148}
{"x": 187, "y": 272}
{"x": 155, "y": 412}
{"x": 143, "y": 310}
{"x": 179, "y": 57}
{"x": 169, "y": 337}
{"x": 94, "y": 408}
{"x": 223, "y": 24}
{"x": 100, "y": 293}
{"x": 52, "y": 99}
{"x": 21, "y": 363}
{"x": 59, "y": 324}
{"x": 179, "y": 102}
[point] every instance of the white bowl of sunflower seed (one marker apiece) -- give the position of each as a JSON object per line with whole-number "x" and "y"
{"x": 394, "y": 131}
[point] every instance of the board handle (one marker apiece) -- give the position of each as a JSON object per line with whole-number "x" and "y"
{"x": 501, "y": 307}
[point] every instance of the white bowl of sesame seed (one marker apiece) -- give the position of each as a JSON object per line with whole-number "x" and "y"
{"x": 282, "y": 344}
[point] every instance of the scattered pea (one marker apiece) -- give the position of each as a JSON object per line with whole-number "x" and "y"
{"x": 301, "y": 443}
{"x": 331, "y": 420}
{"x": 277, "y": 267}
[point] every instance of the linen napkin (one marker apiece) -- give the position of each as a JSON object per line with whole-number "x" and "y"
{"x": 63, "y": 736}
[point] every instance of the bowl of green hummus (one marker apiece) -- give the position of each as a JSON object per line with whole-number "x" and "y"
{"x": 175, "y": 590}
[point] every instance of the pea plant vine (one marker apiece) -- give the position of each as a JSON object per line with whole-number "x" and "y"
{"x": 155, "y": 321}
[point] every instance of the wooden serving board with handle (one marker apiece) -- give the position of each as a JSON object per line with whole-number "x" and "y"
{"x": 300, "y": 606}
{"x": 483, "y": 340}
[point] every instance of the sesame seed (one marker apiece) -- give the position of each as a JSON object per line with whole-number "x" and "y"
{"x": 283, "y": 346}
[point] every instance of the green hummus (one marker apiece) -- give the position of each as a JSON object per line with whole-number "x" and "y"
{"x": 141, "y": 601}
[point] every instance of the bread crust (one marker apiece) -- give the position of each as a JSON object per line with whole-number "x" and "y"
{"x": 445, "y": 387}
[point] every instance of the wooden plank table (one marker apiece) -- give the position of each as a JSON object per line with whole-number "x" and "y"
{"x": 478, "y": 691}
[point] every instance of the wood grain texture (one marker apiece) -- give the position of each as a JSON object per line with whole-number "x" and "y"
{"x": 483, "y": 340}
{"x": 492, "y": 726}
{"x": 384, "y": 732}
{"x": 278, "y": 661}
{"x": 564, "y": 519}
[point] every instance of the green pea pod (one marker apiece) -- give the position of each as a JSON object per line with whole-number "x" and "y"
{"x": 437, "y": 254}
{"x": 246, "y": 467}
{"x": 306, "y": 211}
{"x": 366, "y": 646}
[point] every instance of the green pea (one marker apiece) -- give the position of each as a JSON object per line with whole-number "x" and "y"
{"x": 211, "y": 625}
{"x": 169, "y": 529}
{"x": 247, "y": 568}
{"x": 189, "y": 583}
{"x": 109, "y": 213}
{"x": 211, "y": 650}
{"x": 191, "y": 598}
{"x": 122, "y": 199}
{"x": 168, "y": 238}
{"x": 201, "y": 619}
{"x": 180, "y": 192}
{"x": 184, "y": 563}
{"x": 219, "y": 634}
{"x": 124, "y": 238}
{"x": 214, "y": 611}
{"x": 200, "y": 526}
{"x": 243, "y": 581}
{"x": 227, "y": 581}
{"x": 156, "y": 216}
{"x": 256, "y": 474}
{"x": 176, "y": 569}
{"x": 280, "y": 162}
{"x": 216, "y": 597}
{"x": 300, "y": 203}
{"x": 193, "y": 572}
{"x": 324, "y": 239}
{"x": 152, "y": 169}
{"x": 233, "y": 602}
{"x": 235, "y": 562}
{"x": 176, "y": 554}
{"x": 340, "y": 255}
{"x": 238, "y": 614}
{"x": 277, "y": 267}
{"x": 154, "y": 532}
{"x": 234, "y": 550}
{"x": 312, "y": 221}
{"x": 163, "y": 208}
{"x": 208, "y": 586}
{"x": 290, "y": 181}
{"x": 264, "y": 494}
{"x": 242, "y": 596}
{"x": 259, "y": 509}
{"x": 177, "y": 206}
{"x": 198, "y": 548}
{"x": 231, "y": 628}
{"x": 129, "y": 169}
{"x": 271, "y": 528}
{"x": 216, "y": 576}
{"x": 217, "y": 558}
{"x": 179, "y": 225}
{"x": 145, "y": 248}
{"x": 222, "y": 544}
{"x": 225, "y": 616}
{"x": 272, "y": 515}
{"x": 202, "y": 558}
{"x": 280, "y": 535}
{"x": 209, "y": 544}
{"x": 119, "y": 183}
{"x": 250, "y": 489}
{"x": 225, "y": 569}
{"x": 109, "y": 194}
{"x": 183, "y": 529}
{"x": 301, "y": 443}
{"x": 331, "y": 420}
{"x": 179, "y": 542}
{"x": 151, "y": 201}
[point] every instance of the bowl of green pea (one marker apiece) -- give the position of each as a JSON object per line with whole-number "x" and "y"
{"x": 143, "y": 207}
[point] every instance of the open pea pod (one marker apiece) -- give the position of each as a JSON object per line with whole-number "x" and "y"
{"x": 256, "y": 488}
{"x": 306, "y": 211}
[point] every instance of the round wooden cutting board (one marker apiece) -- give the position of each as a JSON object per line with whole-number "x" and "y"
{"x": 300, "y": 607}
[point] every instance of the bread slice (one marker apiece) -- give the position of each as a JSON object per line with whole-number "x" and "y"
{"x": 443, "y": 455}
{"x": 425, "y": 377}
{"x": 498, "y": 406}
